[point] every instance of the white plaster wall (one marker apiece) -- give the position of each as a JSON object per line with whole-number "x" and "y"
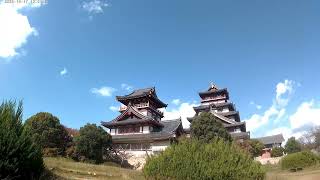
{"x": 233, "y": 118}
{"x": 225, "y": 110}
{"x": 220, "y": 101}
{"x": 160, "y": 146}
{"x": 144, "y": 112}
{"x": 113, "y": 131}
{"x": 146, "y": 129}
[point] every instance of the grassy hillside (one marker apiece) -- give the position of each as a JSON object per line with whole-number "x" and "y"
{"x": 61, "y": 168}
{"x": 274, "y": 172}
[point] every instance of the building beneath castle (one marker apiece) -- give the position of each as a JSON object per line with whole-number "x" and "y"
{"x": 216, "y": 101}
{"x": 139, "y": 129}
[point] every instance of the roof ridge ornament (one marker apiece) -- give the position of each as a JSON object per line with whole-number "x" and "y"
{"x": 213, "y": 86}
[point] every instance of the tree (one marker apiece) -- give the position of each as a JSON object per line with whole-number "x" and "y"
{"x": 251, "y": 146}
{"x": 20, "y": 158}
{"x": 311, "y": 139}
{"x": 92, "y": 142}
{"x": 47, "y": 131}
{"x": 292, "y": 146}
{"x": 206, "y": 127}
{"x": 256, "y": 147}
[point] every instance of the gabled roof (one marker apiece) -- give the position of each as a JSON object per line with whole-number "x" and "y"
{"x": 168, "y": 130}
{"x": 214, "y": 91}
{"x": 130, "y": 110}
{"x": 135, "y": 118}
{"x": 221, "y": 117}
{"x": 225, "y": 119}
{"x": 130, "y": 122}
{"x": 274, "y": 139}
{"x": 235, "y": 124}
{"x": 215, "y": 105}
{"x": 231, "y": 114}
{"x": 141, "y": 93}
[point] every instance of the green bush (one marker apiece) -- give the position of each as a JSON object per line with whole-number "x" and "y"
{"x": 193, "y": 159}
{"x": 277, "y": 152}
{"x": 300, "y": 159}
{"x": 20, "y": 158}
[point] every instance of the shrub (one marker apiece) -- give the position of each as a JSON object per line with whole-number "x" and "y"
{"x": 72, "y": 153}
{"x": 300, "y": 159}
{"x": 193, "y": 159}
{"x": 92, "y": 142}
{"x": 47, "y": 131}
{"x": 277, "y": 152}
{"x": 51, "y": 152}
{"x": 206, "y": 127}
{"x": 19, "y": 157}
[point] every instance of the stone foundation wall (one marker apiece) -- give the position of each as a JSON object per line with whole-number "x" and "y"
{"x": 274, "y": 160}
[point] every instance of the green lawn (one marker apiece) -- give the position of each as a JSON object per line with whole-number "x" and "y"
{"x": 62, "y": 168}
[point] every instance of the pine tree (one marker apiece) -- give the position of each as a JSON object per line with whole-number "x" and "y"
{"x": 20, "y": 158}
{"x": 207, "y": 127}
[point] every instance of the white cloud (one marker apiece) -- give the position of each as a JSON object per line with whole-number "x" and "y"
{"x": 176, "y": 101}
{"x": 256, "y": 105}
{"x": 94, "y": 6}
{"x": 276, "y": 111}
{"x": 284, "y": 89}
{"x": 184, "y": 110}
{"x": 302, "y": 120}
{"x": 15, "y": 28}
{"x": 280, "y": 115}
{"x": 63, "y": 71}
{"x": 126, "y": 87}
{"x": 103, "y": 91}
{"x": 114, "y": 108}
{"x": 307, "y": 114}
{"x": 257, "y": 120}
{"x": 296, "y": 124}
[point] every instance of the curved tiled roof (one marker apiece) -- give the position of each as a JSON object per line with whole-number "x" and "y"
{"x": 139, "y": 119}
{"x": 214, "y": 91}
{"x": 140, "y": 93}
{"x": 215, "y": 105}
{"x": 278, "y": 138}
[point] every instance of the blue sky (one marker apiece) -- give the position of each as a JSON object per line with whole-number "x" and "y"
{"x": 57, "y": 56}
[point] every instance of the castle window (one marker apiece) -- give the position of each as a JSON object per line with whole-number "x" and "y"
{"x": 128, "y": 130}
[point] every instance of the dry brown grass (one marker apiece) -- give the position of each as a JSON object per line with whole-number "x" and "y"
{"x": 275, "y": 173}
{"x": 63, "y": 168}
